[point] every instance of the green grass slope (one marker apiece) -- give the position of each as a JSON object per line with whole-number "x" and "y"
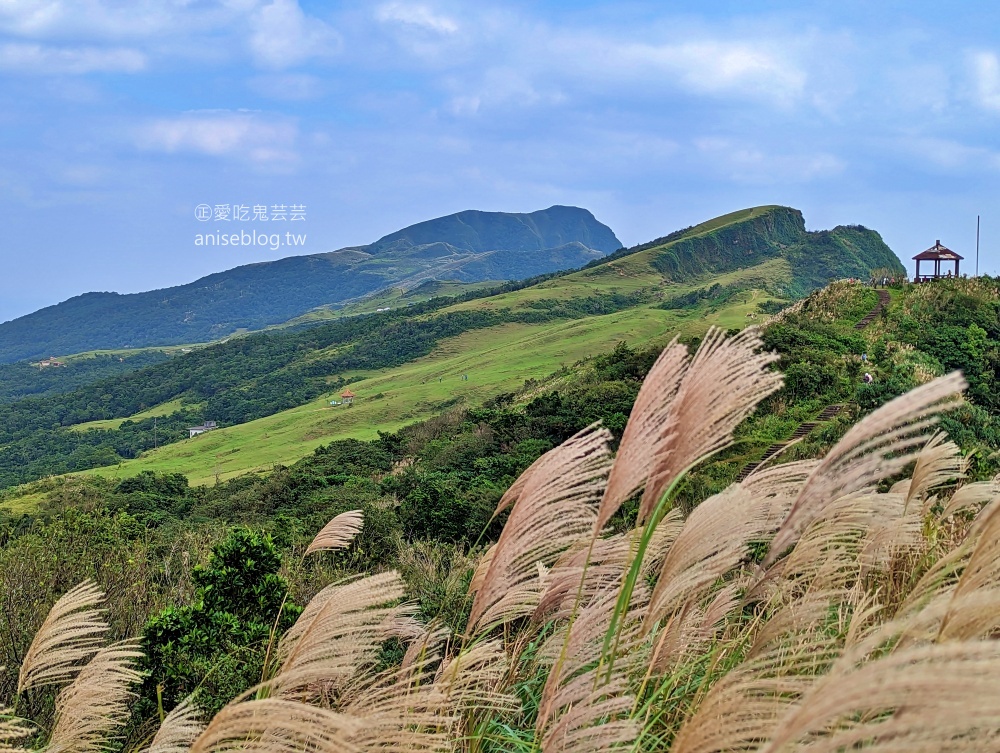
{"x": 496, "y": 360}
{"x": 284, "y": 380}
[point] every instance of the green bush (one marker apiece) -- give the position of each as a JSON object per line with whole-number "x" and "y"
{"x": 217, "y": 645}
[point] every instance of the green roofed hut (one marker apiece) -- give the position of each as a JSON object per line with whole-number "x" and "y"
{"x": 937, "y": 254}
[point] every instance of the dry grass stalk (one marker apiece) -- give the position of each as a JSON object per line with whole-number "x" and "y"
{"x": 278, "y": 726}
{"x": 725, "y": 381}
{"x": 179, "y": 729}
{"x": 338, "y": 533}
{"x": 72, "y": 632}
{"x": 970, "y": 496}
{"x": 924, "y": 698}
{"x": 430, "y": 642}
{"x": 338, "y": 632}
{"x": 473, "y": 679}
{"x": 879, "y": 446}
{"x": 828, "y": 553}
{"x": 11, "y": 729}
{"x": 796, "y": 617}
{"x": 745, "y": 705}
{"x": 482, "y": 567}
{"x": 584, "y": 569}
{"x": 582, "y": 710}
{"x": 973, "y": 604}
{"x": 713, "y": 541}
{"x": 938, "y": 583}
{"x": 513, "y": 493}
{"x": 938, "y": 463}
{"x": 785, "y": 480}
{"x": 895, "y": 532}
{"x": 693, "y": 627}
{"x": 97, "y": 702}
{"x": 589, "y": 566}
{"x": 400, "y": 710}
{"x": 640, "y": 441}
{"x": 556, "y": 507}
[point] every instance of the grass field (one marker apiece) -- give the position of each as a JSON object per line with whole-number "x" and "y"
{"x": 496, "y": 360}
{"x": 392, "y": 298}
{"x": 170, "y": 350}
{"x": 165, "y": 409}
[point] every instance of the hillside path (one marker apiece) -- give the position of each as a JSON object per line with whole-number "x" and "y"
{"x": 801, "y": 430}
{"x": 883, "y": 301}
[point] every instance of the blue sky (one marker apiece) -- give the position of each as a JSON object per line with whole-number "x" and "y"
{"x": 118, "y": 118}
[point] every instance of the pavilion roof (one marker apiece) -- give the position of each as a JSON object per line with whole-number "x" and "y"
{"x": 347, "y": 393}
{"x": 937, "y": 251}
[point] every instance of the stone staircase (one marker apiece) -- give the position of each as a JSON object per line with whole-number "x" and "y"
{"x": 801, "y": 430}
{"x": 826, "y": 414}
{"x": 883, "y": 301}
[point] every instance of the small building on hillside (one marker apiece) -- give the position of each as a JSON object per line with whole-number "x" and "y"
{"x": 348, "y": 397}
{"x": 194, "y": 431}
{"x": 937, "y": 254}
{"x": 50, "y": 361}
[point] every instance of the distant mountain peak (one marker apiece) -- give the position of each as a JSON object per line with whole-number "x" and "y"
{"x": 468, "y": 246}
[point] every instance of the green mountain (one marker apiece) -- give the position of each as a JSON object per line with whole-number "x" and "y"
{"x": 752, "y": 236}
{"x": 273, "y": 390}
{"x": 469, "y": 246}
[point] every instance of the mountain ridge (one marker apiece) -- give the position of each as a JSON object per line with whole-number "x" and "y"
{"x": 469, "y": 246}
{"x": 271, "y": 391}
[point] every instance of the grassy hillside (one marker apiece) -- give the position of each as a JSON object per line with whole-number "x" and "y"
{"x": 497, "y": 360}
{"x": 388, "y": 300}
{"x": 926, "y": 331}
{"x": 820, "y": 607}
{"x": 286, "y": 379}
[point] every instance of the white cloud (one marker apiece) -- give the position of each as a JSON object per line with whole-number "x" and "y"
{"x": 948, "y": 154}
{"x": 986, "y": 76}
{"x": 30, "y": 58}
{"x": 278, "y": 33}
{"x": 555, "y": 65}
{"x": 94, "y": 18}
{"x": 504, "y": 86}
{"x": 919, "y": 87}
{"x": 713, "y": 66}
{"x": 223, "y": 134}
{"x": 749, "y": 163}
{"x": 283, "y": 35}
{"x": 416, "y": 15}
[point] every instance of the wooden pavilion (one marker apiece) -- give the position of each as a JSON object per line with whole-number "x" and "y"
{"x": 348, "y": 397}
{"x": 937, "y": 254}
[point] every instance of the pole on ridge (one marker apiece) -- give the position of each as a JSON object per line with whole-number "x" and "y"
{"x": 977, "y": 245}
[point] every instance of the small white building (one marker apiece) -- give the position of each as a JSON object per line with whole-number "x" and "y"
{"x": 194, "y": 431}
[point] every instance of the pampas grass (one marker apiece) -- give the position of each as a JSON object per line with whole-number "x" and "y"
{"x": 72, "y": 631}
{"x": 802, "y": 609}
